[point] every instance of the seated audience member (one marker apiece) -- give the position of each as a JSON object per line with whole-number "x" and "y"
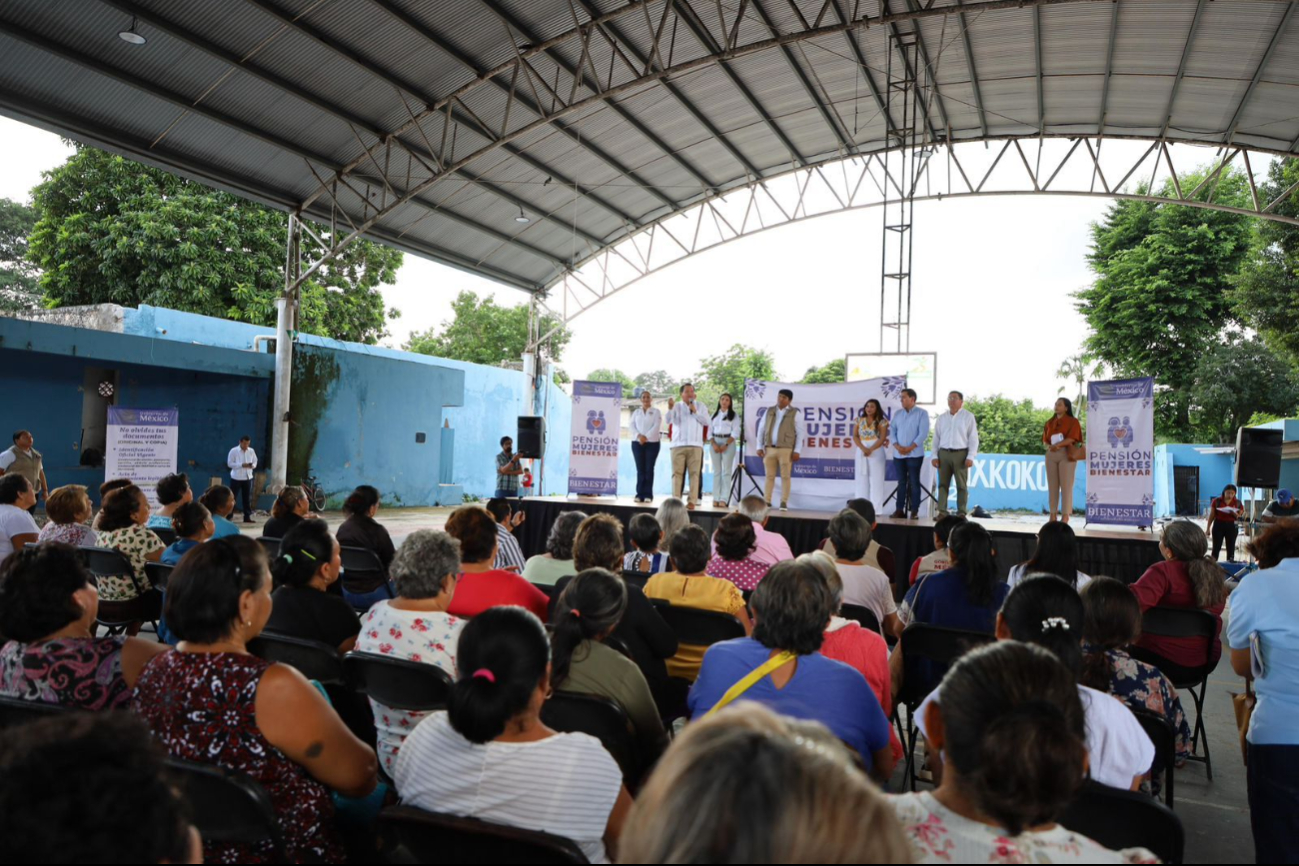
{"x": 689, "y": 586}
{"x": 646, "y": 536}
{"x": 791, "y": 607}
{"x": 17, "y": 528}
{"x": 193, "y": 525}
{"x": 122, "y": 527}
{"x": 1186, "y": 579}
{"x": 509, "y": 555}
{"x": 360, "y": 529}
{"x": 734, "y": 544}
{"x": 212, "y": 702}
{"x": 1112, "y": 621}
{"x": 672, "y": 516}
{"x": 932, "y": 563}
{"x": 1012, "y": 730}
{"x": 91, "y": 789}
{"x": 768, "y": 547}
{"x": 863, "y": 584}
{"x": 173, "y": 491}
{"x": 1056, "y": 553}
{"x": 291, "y": 507}
{"x": 48, "y": 604}
{"x": 219, "y": 500}
{"x": 307, "y": 566}
{"x": 877, "y": 555}
{"x": 547, "y": 568}
{"x": 1283, "y": 507}
{"x": 1046, "y": 611}
{"x": 586, "y": 614}
{"x": 801, "y": 798}
{"x": 69, "y": 510}
{"x": 414, "y": 626}
{"x": 646, "y": 636}
{"x": 489, "y": 756}
{"x": 481, "y": 584}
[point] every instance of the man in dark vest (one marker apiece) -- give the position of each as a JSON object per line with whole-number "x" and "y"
{"x": 782, "y": 431}
{"x": 25, "y": 460}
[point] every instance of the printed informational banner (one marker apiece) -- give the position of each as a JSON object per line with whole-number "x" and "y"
{"x": 142, "y": 446}
{"x": 920, "y": 369}
{"x": 593, "y": 461}
{"x": 823, "y": 477}
{"x": 1121, "y": 452}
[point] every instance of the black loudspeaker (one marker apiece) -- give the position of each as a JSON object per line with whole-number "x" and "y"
{"x": 531, "y": 441}
{"x": 1258, "y": 457}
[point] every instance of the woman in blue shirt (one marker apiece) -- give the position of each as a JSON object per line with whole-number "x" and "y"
{"x": 220, "y": 501}
{"x": 1263, "y": 633}
{"x": 791, "y": 607}
{"x": 193, "y": 526}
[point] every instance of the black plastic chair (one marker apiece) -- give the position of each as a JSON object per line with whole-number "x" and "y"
{"x": 270, "y": 545}
{"x": 410, "y": 835}
{"x": 1164, "y": 737}
{"x": 228, "y": 807}
{"x": 548, "y": 589}
{"x": 118, "y": 616}
{"x": 158, "y": 574}
{"x": 1126, "y": 819}
{"x": 398, "y": 683}
{"x": 861, "y": 615}
{"x": 363, "y": 572}
{"x": 315, "y": 660}
{"x": 636, "y": 579}
{"x": 701, "y": 627}
{"x": 16, "y": 711}
{"x": 1189, "y": 622}
{"x": 939, "y": 646}
{"x": 167, "y": 535}
{"x": 603, "y": 719}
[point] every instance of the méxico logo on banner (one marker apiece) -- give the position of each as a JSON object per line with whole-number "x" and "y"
{"x": 142, "y": 446}
{"x": 593, "y": 461}
{"x": 1121, "y": 452}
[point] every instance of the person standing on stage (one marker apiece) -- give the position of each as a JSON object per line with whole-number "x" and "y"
{"x": 870, "y": 436}
{"x": 908, "y": 430}
{"x": 25, "y": 460}
{"x": 722, "y": 448}
{"x": 508, "y": 471}
{"x": 1062, "y": 436}
{"x": 689, "y": 419}
{"x": 242, "y": 460}
{"x": 956, "y": 444}
{"x": 1223, "y": 511}
{"x": 646, "y": 439}
{"x": 782, "y": 431}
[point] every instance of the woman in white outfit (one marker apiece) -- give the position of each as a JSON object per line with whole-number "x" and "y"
{"x": 721, "y": 439}
{"x": 870, "y": 435}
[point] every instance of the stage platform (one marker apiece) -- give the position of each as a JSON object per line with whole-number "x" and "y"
{"x": 1113, "y": 552}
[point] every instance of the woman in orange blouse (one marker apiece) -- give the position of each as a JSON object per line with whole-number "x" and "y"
{"x": 1061, "y": 436}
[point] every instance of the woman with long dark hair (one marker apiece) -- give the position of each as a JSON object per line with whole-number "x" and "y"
{"x": 1221, "y": 526}
{"x": 1056, "y": 553}
{"x": 360, "y": 529}
{"x": 870, "y": 439}
{"x": 1062, "y": 436}
{"x": 722, "y": 448}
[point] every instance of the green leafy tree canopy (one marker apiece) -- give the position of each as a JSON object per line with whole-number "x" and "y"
{"x": 606, "y": 375}
{"x": 834, "y": 372}
{"x": 19, "y": 277}
{"x": 725, "y": 373}
{"x": 657, "y": 382}
{"x": 1267, "y": 287}
{"x": 482, "y": 332}
{"x": 1236, "y": 379}
{"x": 1007, "y": 426}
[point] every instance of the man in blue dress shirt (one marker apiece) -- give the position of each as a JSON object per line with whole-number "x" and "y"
{"x": 908, "y": 430}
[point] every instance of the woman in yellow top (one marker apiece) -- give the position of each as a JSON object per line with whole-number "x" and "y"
{"x": 1063, "y": 439}
{"x": 689, "y": 586}
{"x": 870, "y": 439}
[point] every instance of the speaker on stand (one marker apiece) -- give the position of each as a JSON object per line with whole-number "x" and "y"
{"x": 531, "y": 441}
{"x": 1258, "y": 463}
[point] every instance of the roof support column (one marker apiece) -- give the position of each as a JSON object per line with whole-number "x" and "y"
{"x": 286, "y": 311}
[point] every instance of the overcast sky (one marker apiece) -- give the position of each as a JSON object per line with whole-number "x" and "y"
{"x": 992, "y": 279}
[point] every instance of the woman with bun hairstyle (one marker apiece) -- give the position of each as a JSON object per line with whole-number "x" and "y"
{"x": 1011, "y": 728}
{"x": 307, "y": 566}
{"x": 360, "y": 529}
{"x": 489, "y": 756}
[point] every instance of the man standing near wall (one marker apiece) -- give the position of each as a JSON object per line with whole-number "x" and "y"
{"x": 242, "y": 460}
{"x": 782, "y": 430}
{"x": 956, "y": 444}
{"x": 508, "y": 471}
{"x": 689, "y": 419}
{"x": 26, "y": 461}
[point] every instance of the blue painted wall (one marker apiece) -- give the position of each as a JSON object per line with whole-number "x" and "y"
{"x": 1215, "y": 473}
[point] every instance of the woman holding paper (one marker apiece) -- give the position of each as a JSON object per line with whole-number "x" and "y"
{"x": 1063, "y": 439}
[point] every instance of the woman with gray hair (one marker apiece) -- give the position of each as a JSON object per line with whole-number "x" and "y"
{"x": 547, "y": 568}
{"x": 415, "y": 625}
{"x": 672, "y": 517}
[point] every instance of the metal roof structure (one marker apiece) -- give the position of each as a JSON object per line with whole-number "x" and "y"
{"x": 524, "y": 139}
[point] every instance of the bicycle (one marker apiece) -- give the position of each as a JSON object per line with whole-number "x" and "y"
{"x": 314, "y": 492}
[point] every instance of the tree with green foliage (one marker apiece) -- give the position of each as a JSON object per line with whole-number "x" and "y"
{"x": 1235, "y": 379}
{"x": 1266, "y": 296}
{"x": 112, "y": 231}
{"x": 725, "y": 373}
{"x": 1163, "y": 292}
{"x": 606, "y": 375}
{"x": 483, "y": 332}
{"x": 829, "y": 374}
{"x": 1078, "y": 370}
{"x": 657, "y": 382}
{"x": 1007, "y": 426}
{"x": 19, "y": 277}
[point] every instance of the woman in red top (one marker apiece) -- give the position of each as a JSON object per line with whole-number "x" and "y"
{"x": 1061, "y": 436}
{"x": 481, "y": 585}
{"x": 1187, "y": 578}
{"x": 1223, "y": 511}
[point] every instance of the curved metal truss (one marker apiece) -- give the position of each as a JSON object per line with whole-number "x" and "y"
{"x": 1085, "y": 166}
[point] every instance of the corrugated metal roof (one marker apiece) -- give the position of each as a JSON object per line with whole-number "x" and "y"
{"x": 253, "y": 95}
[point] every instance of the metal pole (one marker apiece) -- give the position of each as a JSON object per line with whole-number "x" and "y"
{"x": 284, "y": 327}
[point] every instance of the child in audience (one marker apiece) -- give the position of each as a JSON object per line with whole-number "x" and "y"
{"x": 646, "y": 535}
{"x": 937, "y": 560}
{"x": 193, "y": 525}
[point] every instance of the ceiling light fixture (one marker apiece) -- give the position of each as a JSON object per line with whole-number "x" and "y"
{"x": 131, "y": 36}
{"x": 522, "y": 217}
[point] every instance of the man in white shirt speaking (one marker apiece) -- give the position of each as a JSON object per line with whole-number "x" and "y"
{"x": 242, "y": 461}
{"x": 956, "y": 444}
{"x": 689, "y": 419}
{"x": 782, "y": 430}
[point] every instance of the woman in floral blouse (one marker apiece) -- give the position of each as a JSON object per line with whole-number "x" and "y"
{"x": 122, "y": 528}
{"x": 1113, "y": 621}
{"x": 736, "y": 540}
{"x": 69, "y": 511}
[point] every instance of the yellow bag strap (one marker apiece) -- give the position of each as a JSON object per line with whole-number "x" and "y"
{"x": 750, "y": 680}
